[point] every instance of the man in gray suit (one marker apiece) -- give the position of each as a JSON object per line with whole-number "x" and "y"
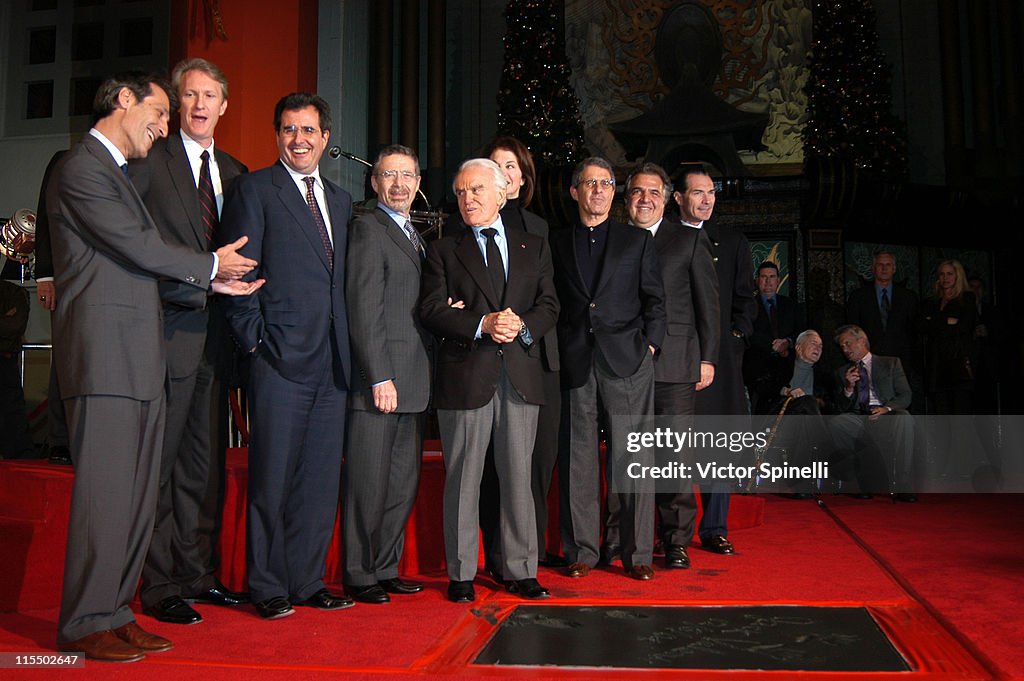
{"x": 390, "y": 381}
{"x": 182, "y": 181}
{"x": 872, "y": 397}
{"x": 108, "y": 340}
{"x": 490, "y": 380}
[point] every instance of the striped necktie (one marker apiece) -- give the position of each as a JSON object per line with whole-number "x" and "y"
{"x": 207, "y": 198}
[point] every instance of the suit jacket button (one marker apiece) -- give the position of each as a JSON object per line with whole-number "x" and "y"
{"x": 192, "y": 280}
{"x": 593, "y": 305}
{"x": 499, "y": 353}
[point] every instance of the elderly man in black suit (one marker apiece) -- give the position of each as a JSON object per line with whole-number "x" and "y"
{"x": 612, "y": 324}
{"x": 182, "y": 182}
{"x": 768, "y": 361}
{"x": 490, "y": 379}
{"x": 108, "y": 258}
{"x": 890, "y": 315}
{"x": 297, "y": 334}
{"x": 731, "y": 253}
{"x": 686, "y": 363}
{"x": 390, "y": 381}
{"x": 872, "y": 399}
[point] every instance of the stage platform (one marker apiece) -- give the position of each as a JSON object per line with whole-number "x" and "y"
{"x": 35, "y": 499}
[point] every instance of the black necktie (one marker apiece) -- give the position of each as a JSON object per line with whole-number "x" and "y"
{"x": 207, "y": 198}
{"x": 494, "y": 265}
{"x": 318, "y": 218}
{"x": 885, "y": 307}
{"x": 773, "y": 318}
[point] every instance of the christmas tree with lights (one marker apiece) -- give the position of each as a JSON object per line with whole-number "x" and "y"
{"x": 849, "y": 92}
{"x": 536, "y": 103}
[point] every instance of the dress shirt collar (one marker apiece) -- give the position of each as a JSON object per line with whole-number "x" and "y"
{"x": 299, "y": 178}
{"x": 653, "y": 229}
{"x": 399, "y": 219}
{"x": 194, "y": 149}
{"x": 119, "y": 158}
{"x": 601, "y": 227}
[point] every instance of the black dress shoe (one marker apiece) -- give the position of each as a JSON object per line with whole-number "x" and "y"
{"x": 60, "y": 455}
{"x": 527, "y": 588}
{"x": 219, "y": 594}
{"x": 718, "y": 544}
{"x": 907, "y": 497}
{"x": 325, "y": 600}
{"x": 609, "y": 554}
{"x": 174, "y": 610}
{"x": 274, "y": 608}
{"x": 676, "y": 557}
{"x": 642, "y": 572}
{"x": 367, "y": 593}
{"x": 550, "y": 560}
{"x": 863, "y": 495}
{"x": 400, "y": 586}
{"x": 461, "y": 592}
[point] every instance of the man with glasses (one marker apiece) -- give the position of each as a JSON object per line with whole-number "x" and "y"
{"x": 390, "y": 381}
{"x": 297, "y": 334}
{"x": 611, "y": 325}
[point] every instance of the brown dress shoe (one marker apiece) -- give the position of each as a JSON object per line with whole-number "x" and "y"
{"x": 578, "y": 570}
{"x": 641, "y": 572}
{"x": 104, "y": 646}
{"x": 140, "y": 638}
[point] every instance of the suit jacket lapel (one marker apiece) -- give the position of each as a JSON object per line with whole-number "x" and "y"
{"x": 293, "y": 200}
{"x": 569, "y": 247}
{"x": 469, "y": 255}
{"x": 396, "y": 234}
{"x": 613, "y": 248}
{"x": 179, "y": 168}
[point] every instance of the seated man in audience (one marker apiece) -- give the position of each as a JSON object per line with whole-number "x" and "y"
{"x": 872, "y": 399}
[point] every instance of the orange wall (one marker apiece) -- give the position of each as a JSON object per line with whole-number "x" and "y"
{"x": 270, "y": 51}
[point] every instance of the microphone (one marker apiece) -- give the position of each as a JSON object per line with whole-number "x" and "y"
{"x": 336, "y": 152}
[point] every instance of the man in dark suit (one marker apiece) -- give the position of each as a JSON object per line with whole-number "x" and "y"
{"x": 108, "y": 337}
{"x": 56, "y": 421}
{"x": 768, "y": 360}
{"x": 297, "y": 334}
{"x": 725, "y": 396}
{"x": 612, "y": 323}
{"x": 889, "y": 314}
{"x": 686, "y": 362}
{"x": 17, "y": 441}
{"x": 390, "y": 381}
{"x": 872, "y": 399}
{"x": 182, "y": 181}
{"x": 489, "y": 374}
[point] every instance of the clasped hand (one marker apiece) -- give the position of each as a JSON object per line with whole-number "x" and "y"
{"x": 503, "y": 327}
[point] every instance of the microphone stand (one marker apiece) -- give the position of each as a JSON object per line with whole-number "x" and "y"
{"x": 433, "y": 219}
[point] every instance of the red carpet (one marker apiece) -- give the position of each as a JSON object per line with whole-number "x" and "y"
{"x": 800, "y": 555}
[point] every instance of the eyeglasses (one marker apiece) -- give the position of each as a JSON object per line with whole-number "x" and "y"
{"x": 307, "y": 130}
{"x": 591, "y": 183}
{"x": 393, "y": 174}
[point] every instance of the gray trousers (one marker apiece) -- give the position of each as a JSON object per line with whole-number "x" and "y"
{"x": 379, "y": 480}
{"x": 465, "y": 434}
{"x": 115, "y": 443}
{"x": 631, "y": 401}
